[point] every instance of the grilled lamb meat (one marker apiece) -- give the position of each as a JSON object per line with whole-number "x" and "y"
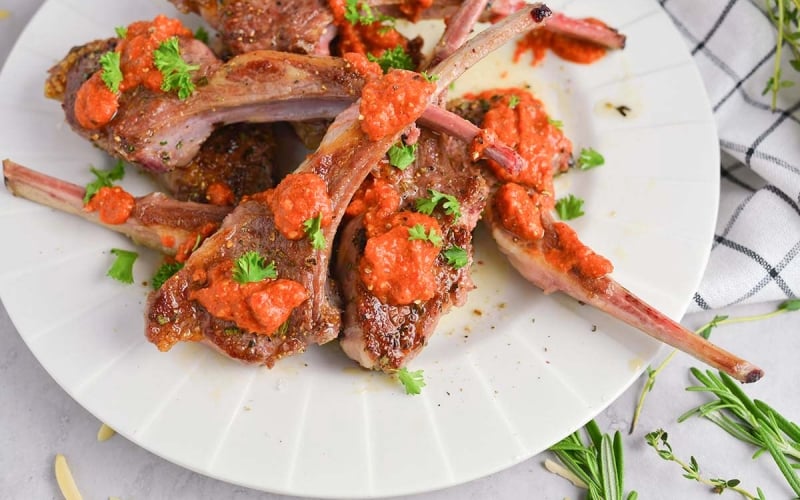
{"x": 384, "y": 336}
{"x": 301, "y": 26}
{"x": 239, "y": 157}
{"x": 159, "y": 131}
{"x": 342, "y": 162}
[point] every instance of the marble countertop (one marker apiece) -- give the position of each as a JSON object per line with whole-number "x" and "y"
{"x": 38, "y": 419}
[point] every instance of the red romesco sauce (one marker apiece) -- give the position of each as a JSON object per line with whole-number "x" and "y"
{"x": 260, "y": 307}
{"x": 113, "y": 204}
{"x": 219, "y": 193}
{"x": 378, "y": 201}
{"x": 363, "y": 66}
{"x": 193, "y": 241}
{"x": 567, "y": 253}
{"x": 398, "y": 270}
{"x": 95, "y": 104}
{"x": 519, "y": 120}
{"x": 390, "y": 103}
{"x": 412, "y": 9}
{"x": 298, "y": 198}
{"x": 519, "y": 211}
{"x": 565, "y": 47}
{"x": 372, "y": 38}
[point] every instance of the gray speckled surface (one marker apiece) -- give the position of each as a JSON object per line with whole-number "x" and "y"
{"x": 38, "y": 419}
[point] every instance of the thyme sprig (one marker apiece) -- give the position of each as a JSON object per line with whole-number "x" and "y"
{"x": 704, "y": 331}
{"x": 597, "y": 465}
{"x": 658, "y": 441}
{"x": 785, "y": 15}
{"x": 748, "y": 420}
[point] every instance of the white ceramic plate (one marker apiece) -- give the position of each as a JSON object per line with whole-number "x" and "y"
{"x": 507, "y": 375}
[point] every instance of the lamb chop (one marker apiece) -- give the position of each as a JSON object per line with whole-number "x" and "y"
{"x": 157, "y": 221}
{"x": 548, "y": 253}
{"x": 385, "y": 328}
{"x": 378, "y": 333}
{"x": 178, "y": 311}
{"x": 159, "y": 131}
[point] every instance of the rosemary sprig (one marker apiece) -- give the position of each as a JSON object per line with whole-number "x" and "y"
{"x": 658, "y": 441}
{"x": 597, "y": 465}
{"x": 784, "y": 15}
{"x": 752, "y": 421}
{"x": 704, "y": 331}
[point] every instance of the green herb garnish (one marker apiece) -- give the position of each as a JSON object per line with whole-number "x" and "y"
{"x": 748, "y": 420}
{"x": 456, "y": 257}
{"x": 103, "y": 178}
{"x": 450, "y": 204}
{"x": 167, "y": 59}
{"x": 513, "y": 101}
{"x": 402, "y": 155}
{"x": 412, "y": 381}
{"x": 165, "y": 272}
{"x": 418, "y": 233}
{"x": 313, "y": 229}
{"x": 121, "y": 31}
{"x": 589, "y": 159}
{"x": 396, "y": 58}
{"x": 658, "y": 441}
{"x": 201, "y": 34}
{"x": 252, "y": 267}
{"x": 122, "y": 268}
{"x": 596, "y": 465}
{"x": 359, "y": 12}
{"x": 570, "y": 207}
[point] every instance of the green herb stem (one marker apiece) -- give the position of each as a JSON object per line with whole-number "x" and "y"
{"x": 704, "y": 331}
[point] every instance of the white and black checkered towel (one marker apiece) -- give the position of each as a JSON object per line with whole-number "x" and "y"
{"x": 757, "y": 240}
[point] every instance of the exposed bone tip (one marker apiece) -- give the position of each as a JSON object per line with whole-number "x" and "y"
{"x": 752, "y": 374}
{"x": 540, "y": 12}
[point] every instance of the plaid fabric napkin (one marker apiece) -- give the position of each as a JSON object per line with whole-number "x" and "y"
{"x": 757, "y": 241}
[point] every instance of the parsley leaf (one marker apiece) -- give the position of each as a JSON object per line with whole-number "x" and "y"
{"x": 451, "y": 205}
{"x": 513, "y": 101}
{"x": 164, "y": 273}
{"x": 201, "y": 34}
{"x": 555, "y": 123}
{"x": 402, "y": 155}
{"x": 104, "y": 178}
{"x": 167, "y": 59}
{"x": 112, "y": 74}
{"x": 429, "y": 78}
{"x": 589, "y": 158}
{"x": 412, "y": 381}
{"x": 313, "y": 229}
{"x": 418, "y": 233}
{"x": 122, "y": 268}
{"x": 569, "y": 207}
{"x": 356, "y": 12}
{"x": 251, "y": 267}
{"x": 393, "y": 58}
{"x": 121, "y": 31}
{"x": 456, "y": 257}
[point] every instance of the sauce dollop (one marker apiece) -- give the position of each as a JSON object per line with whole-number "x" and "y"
{"x": 396, "y": 269}
{"x": 519, "y": 211}
{"x": 298, "y": 198}
{"x": 390, "y": 103}
{"x": 520, "y": 120}
{"x": 113, "y": 204}
{"x": 370, "y": 38}
{"x": 567, "y": 253}
{"x": 260, "y": 307}
{"x": 95, "y": 103}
